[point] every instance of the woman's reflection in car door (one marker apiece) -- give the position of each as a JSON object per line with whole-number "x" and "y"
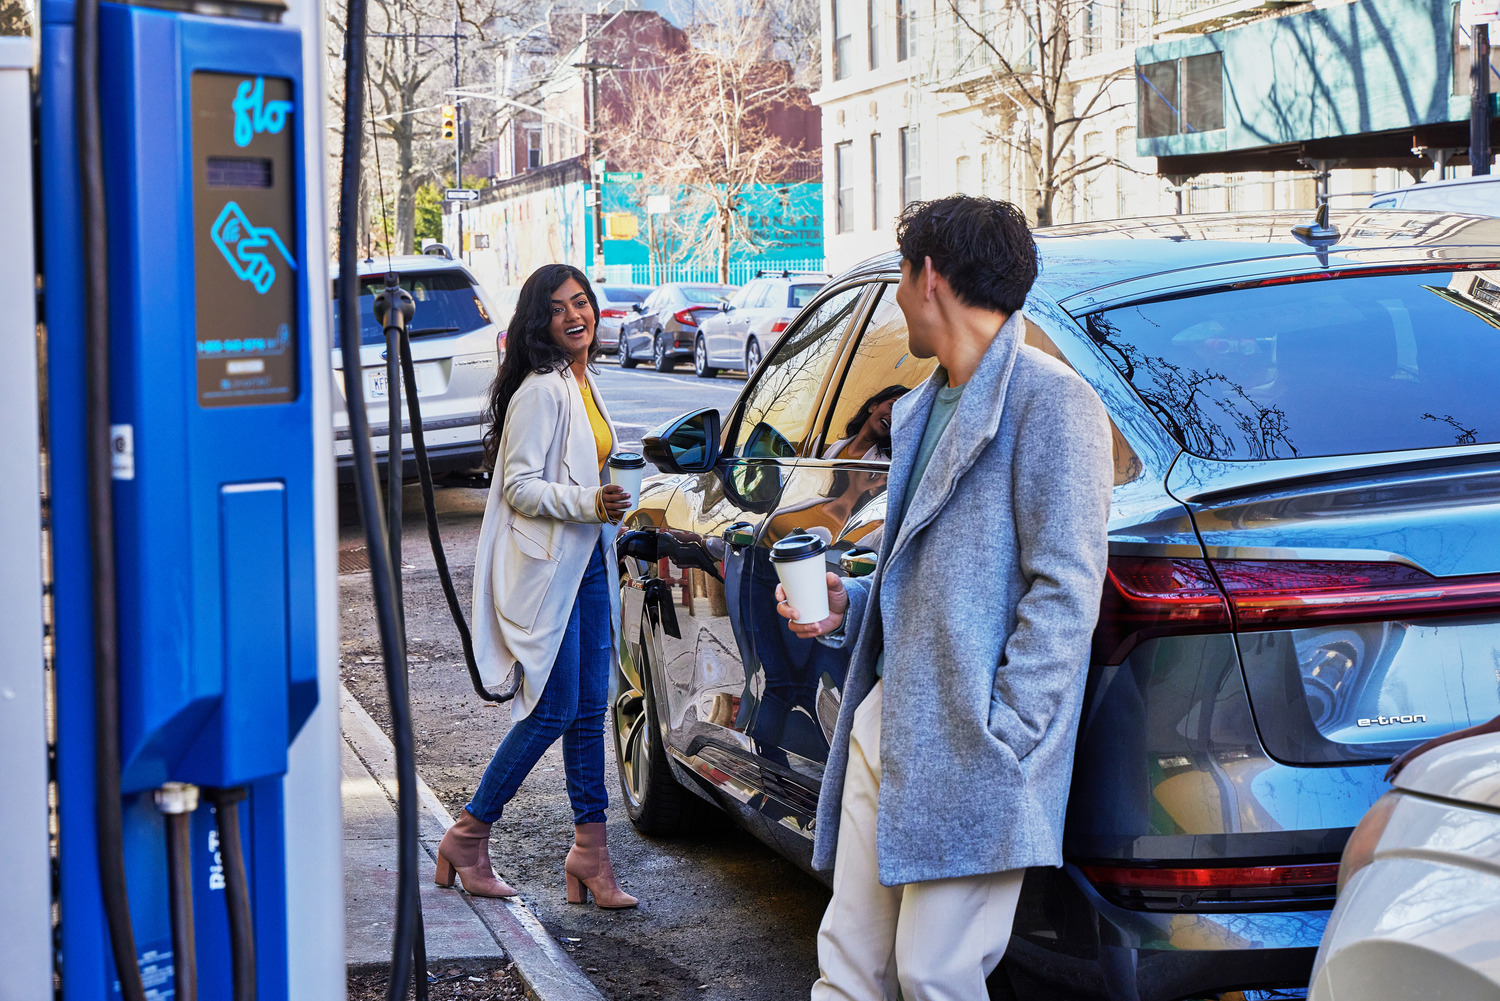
{"x": 792, "y": 699}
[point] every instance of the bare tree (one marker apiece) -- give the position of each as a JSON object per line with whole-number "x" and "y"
{"x": 701, "y": 127}
{"x": 1015, "y": 56}
{"x": 409, "y": 77}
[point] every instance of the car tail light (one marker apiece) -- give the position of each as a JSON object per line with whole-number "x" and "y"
{"x": 1265, "y": 594}
{"x": 1169, "y": 887}
{"x": 612, "y": 314}
{"x": 1145, "y": 597}
{"x": 779, "y": 326}
{"x": 1152, "y": 596}
{"x": 686, "y": 317}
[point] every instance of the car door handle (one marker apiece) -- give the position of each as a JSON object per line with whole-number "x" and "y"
{"x": 739, "y": 535}
{"x": 858, "y": 562}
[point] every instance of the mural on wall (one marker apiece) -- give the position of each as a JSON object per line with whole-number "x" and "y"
{"x": 523, "y": 232}
{"x": 779, "y": 222}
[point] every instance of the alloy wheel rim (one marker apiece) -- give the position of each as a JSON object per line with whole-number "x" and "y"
{"x": 700, "y": 355}
{"x": 634, "y": 727}
{"x": 752, "y": 357}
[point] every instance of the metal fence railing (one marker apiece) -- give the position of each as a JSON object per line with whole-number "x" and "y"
{"x": 740, "y": 272}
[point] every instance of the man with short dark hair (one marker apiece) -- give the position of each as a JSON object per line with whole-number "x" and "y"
{"x": 950, "y": 762}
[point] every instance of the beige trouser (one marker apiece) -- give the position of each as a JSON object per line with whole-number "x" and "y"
{"x": 937, "y": 940}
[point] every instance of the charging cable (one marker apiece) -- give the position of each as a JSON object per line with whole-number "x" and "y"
{"x": 177, "y": 801}
{"x": 236, "y": 890}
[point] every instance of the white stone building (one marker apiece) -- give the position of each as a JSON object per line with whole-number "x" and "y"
{"x": 912, "y": 110}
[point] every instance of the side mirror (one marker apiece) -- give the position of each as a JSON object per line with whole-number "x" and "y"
{"x": 637, "y": 307}
{"x": 690, "y": 444}
{"x": 724, "y": 307}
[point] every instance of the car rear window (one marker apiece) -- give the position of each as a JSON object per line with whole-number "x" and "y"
{"x": 622, "y": 294}
{"x": 446, "y": 301}
{"x": 801, "y": 295}
{"x": 1327, "y": 367}
{"x": 706, "y": 294}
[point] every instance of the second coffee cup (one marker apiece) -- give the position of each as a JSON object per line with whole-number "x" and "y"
{"x": 798, "y": 560}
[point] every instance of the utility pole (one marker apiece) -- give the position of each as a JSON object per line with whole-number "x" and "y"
{"x": 1479, "y": 99}
{"x": 596, "y": 186}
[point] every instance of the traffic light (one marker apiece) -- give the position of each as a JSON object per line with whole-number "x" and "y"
{"x": 449, "y": 114}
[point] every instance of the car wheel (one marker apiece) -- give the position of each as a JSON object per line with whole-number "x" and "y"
{"x": 654, "y": 800}
{"x": 659, "y": 353}
{"x": 627, "y": 360}
{"x": 701, "y": 367}
{"x": 752, "y": 356}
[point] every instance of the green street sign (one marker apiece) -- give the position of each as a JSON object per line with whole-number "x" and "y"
{"x": 615, "y": 176}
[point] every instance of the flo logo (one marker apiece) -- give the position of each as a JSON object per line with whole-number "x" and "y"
{"x": 253, "y": 114}
{"x": 243, "y": 246}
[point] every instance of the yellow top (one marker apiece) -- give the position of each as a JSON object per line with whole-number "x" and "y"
{"x": 603, "y": 436}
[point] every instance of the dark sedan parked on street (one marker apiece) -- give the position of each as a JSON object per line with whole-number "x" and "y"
{"x": 1304, "y": 575}
{"x": 662, "y": 329}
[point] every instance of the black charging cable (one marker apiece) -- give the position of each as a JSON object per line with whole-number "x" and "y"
{"x": 236, "y": 890}
{"x": 177, "y": 801}
{"x": 435, "y": 536}
{"x": 109, "y": 824}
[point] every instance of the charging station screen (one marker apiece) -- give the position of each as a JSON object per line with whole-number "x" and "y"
{"x": 245, "y": 221}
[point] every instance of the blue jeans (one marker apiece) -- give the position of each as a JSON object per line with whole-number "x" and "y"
{"x": 571, "y": 707}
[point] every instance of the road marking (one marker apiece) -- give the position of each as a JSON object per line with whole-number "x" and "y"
{"x": 680, "y": 380}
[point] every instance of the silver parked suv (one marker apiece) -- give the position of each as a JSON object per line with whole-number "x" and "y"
{"x": 753, "y": 317}
{"x": 455, "y": 355}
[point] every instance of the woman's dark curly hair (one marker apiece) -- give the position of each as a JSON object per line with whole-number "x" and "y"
{"x": 529, "y": 346}
{"x": 857, "y": 422}
{"x": 982, "y": 247}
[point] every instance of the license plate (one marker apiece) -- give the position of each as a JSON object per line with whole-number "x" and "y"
{"x": 377, "y": 387}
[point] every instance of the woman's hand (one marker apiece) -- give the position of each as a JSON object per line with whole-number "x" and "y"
{"x": 616, "y": 501}
{"x": 838, "y": 604}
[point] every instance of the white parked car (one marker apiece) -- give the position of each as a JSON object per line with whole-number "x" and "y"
{"x": 454, "y": 349}
{"x": 1418, "y": 913}
{"x": 751, "y": 320}
{"x": 1471, "y": 195}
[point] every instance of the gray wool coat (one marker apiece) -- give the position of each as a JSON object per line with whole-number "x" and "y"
{"x": 984, "y": 601}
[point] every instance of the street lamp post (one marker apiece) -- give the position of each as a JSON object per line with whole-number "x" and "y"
{"x": 1479, "y": 100}
{"x": 596, "y": 185}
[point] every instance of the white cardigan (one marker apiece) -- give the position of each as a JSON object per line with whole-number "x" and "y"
{"x": 540, "y": 528}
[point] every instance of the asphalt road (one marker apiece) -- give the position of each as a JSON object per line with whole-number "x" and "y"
{"x": 722, "y": 916}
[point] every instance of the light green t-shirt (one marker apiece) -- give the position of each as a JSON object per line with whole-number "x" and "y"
{"x": 943, "y": 409}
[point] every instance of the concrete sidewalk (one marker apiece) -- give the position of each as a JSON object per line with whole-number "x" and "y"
{"x": 458, "y": 926}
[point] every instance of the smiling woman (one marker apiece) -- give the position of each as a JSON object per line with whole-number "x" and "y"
{"x": 544, "y": 589}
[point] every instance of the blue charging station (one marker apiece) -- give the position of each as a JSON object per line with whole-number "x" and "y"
{"x": 219, "y": 382}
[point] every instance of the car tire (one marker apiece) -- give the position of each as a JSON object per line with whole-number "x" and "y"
{"x": 752, "y": 357}
{"x": 627, "y": 360}
{"x": 655, "y": 801}
{"x": 659, "y": 357}
{"x": 701, "y": 367}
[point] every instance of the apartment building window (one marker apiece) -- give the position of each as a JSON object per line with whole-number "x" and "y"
{"x": 1180, "y": 95}
{"x": 1128, "y": 22}
{"x": 875, "y": 195}
{"x": 911, "y": 165}
{"x": 1091, "y": 29}
{"x": 873, "y": 20}
{"x": 843, "y": 40}
{"x": 533, "y": 147}
{"x": 1124, "y": 153}
{"x": 843, "y": 172}
{"x": 905, "y": 40}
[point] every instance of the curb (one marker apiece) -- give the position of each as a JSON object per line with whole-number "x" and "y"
{"x": 545, "y": 968}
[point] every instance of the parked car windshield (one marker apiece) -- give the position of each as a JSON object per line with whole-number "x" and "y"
{"x": 801, "y": 295}
{"x": 1328, "y": 367}
{"x": 707, "y": 295}
{"x": 446, "y": 302}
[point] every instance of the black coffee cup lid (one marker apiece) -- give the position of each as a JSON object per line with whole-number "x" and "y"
{"x": 797, "y": 546}
{"x": 627, "y": 460}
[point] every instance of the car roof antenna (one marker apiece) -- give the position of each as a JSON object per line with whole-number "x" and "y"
{"x": 1318, "y": 234}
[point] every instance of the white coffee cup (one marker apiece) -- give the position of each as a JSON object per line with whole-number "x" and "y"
{"x": 799, "y": 563}
{"x": 626, "y": 469}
